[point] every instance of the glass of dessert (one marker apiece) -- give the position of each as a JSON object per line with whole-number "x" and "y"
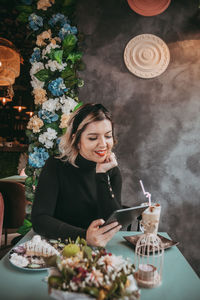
{"x": 150, "y": 218}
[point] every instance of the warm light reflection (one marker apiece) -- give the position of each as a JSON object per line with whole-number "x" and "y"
{"x": 4, "y": 100}
{"x": 19, "y": 107}
{"x": 30, "y": 113}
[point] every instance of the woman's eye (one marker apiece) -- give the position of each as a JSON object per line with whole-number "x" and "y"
{"x": 92, "y": 139}
{"x": 108, "y": 136}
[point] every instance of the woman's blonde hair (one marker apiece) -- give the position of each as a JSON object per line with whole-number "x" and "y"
{"x": 77, "y": 123}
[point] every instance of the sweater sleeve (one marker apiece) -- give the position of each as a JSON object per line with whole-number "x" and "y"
{"x": 109, "y": 186}
{"x": 43, "y": 220}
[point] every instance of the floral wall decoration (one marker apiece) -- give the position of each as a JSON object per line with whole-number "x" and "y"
{"x": 55, "y": 61}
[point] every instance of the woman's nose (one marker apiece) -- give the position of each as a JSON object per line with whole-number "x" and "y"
{"x": 102, "y": 141}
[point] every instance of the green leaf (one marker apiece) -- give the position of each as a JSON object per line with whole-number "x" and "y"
{"x": 77, "y": 106}
{"x": 43, "y": 75}
{"x": 24, "y": 8}
{"x": 29, "y": 181}
{"x": 68, "y": 2}
{"x": 68, "y": 273}
{"x": 68, "y": 73}
{"x": 113, "y": 289}
{"x": 69, "y": 76}
{"x": 28, "y": 132}
{"x": 37, "y": 173}
{"x": 69, "y": 44}
{"x": 83, "y": 242}
{"x": 75, "y": 56}
{"x": 93, "y": 291}
{"x": 69, "y": 83}
{"x": 58, "y": 56}
{"x": 23, "y": 17}
{"x": 55, "y": 281}
{"x": 64, "y": 130}
{"x": 78, "y": 240}
{"x": 26, "y": 227}
{"x": 29, "y": 170}
{"x": 87, "y": 252}
{"x": 53, "y": 125}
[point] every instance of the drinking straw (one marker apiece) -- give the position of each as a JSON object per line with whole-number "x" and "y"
{"x": 147, "y": 194}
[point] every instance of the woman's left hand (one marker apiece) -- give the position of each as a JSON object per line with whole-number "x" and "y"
{"x": 99, "y": 236}
{"x": 109, "y": 163}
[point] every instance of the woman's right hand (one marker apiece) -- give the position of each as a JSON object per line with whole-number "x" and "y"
{"x": 100, "y": 236}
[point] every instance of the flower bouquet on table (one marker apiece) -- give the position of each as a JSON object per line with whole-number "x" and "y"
{"x": 82, "y": 272}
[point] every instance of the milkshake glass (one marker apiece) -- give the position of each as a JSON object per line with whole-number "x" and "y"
{"x": 150, "y": 219}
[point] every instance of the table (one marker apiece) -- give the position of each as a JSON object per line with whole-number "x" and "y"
{"x": 180, "y": 282}
{"x": 15, "y": 178}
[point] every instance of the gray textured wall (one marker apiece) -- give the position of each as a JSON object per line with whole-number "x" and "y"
{"x": 157, "y": 120}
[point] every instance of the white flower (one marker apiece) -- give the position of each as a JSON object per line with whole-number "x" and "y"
{"x": 112, "y": 262}
{"x": 73, "y": 286}
{"x": 53, "y": 65}
{"x": 68, "y": 104}
{"x": 51, "y": 105}
{"x": 36, "y": 67}
{"x": 95, "y": 277}
{"x": 36, "y": 84}
{"x": 132, "y": 286}
{"x": 47, "y": 137}
{"x": 48, "y": 48}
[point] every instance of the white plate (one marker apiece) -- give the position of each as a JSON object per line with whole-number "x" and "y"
{"x": 42, "y": 268}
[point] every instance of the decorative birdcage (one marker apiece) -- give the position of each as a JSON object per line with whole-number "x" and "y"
{"x": 149, "y": 256}
{"x": 9, "y": 63}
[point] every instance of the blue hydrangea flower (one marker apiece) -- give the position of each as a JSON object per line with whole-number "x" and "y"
{"x": 67, "y": 29}
{"x": 35, "y": 57}
{"x": 35, "y": 22}
{"x": 58, "y": 141}
{"x": 38, "y": 157}
{"x": 58, "y": 18}
{"x": 47, "y": 116}
{"x": 57, "y": 87}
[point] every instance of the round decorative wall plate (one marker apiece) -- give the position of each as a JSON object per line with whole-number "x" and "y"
{"x": 146, "y": 56}
{"x": 149, "y": 7}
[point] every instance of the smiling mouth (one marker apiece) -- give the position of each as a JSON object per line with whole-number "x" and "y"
{"x": 101, "y": 152}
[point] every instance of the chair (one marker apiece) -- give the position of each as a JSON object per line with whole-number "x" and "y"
{"x": 14, "y": 205}
{"x": 1, "y": 215}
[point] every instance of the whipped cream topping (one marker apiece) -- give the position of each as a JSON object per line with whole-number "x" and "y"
{"x": 39, "y": 247}
{"x": 19, "y": 260}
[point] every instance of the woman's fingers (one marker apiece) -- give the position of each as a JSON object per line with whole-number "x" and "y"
{"x": 99, "y": 236}
{"x": 106, "y": 237}
{"x": 97, "y": 223}
{"x": 109, "y": 234}
{"x": 113, "y": 159}
{"x": 108, "y": 227}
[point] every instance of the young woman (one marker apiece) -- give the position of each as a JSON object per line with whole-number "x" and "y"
{"x": 79, "y": 190}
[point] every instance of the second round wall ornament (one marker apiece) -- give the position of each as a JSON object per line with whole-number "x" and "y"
{"x": 146, "y": 56}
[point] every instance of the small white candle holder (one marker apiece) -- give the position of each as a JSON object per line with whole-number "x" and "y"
{"x": 149, "y": 256}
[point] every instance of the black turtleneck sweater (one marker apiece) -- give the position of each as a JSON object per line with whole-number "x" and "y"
{"x": 68, "y": 199}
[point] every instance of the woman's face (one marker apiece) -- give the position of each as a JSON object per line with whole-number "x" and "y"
{"x": 96, "y": 141}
